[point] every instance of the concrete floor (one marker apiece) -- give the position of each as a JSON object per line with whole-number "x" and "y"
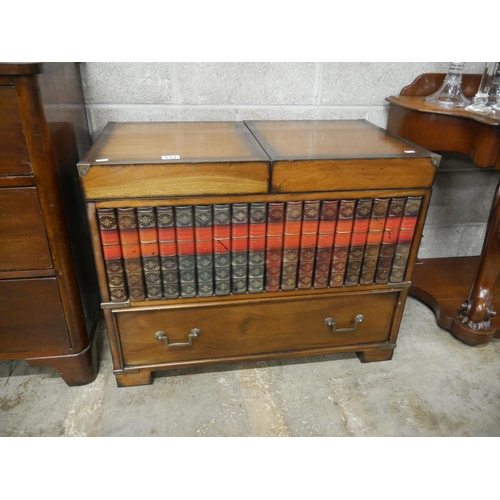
{"x": 434, "y": 386}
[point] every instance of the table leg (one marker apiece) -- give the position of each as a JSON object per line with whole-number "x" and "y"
{"x": 473, "y": 322}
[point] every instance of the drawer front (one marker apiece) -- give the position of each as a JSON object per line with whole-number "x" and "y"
{"x": 14, "y": 156}
{"x": 146, "y": 181}
{"x": 31, "y": 316}
{"x": 239, "y": 328}
{"x": 351, "y": 175}
{"x": 24, "y": 241}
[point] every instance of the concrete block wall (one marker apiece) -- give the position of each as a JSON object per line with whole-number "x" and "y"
{"x": 272, "y": 91}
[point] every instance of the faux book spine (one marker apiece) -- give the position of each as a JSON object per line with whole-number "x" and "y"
{"x": 150, "y": 251}
{"x": 257, "y": 247}
{"x": 239, "y": 247}
{"x": 405, "y": 238}
{"x": 184, "y": 232}
{"x": 112, "y": 253}
{"x": 274, "y": 245}
{"x": 343, "y": 232}
{"x": 308, "y": 240}
{"x": 374, "y": 240}
{"x": 326, "y": 235}
{"x": 131, "y": 249}
{"x": 389, "y": 240}
{"x": 168, "y": 252}
{"x": 291, "y": 241}
{"x": 358, "y": 241}
{"x": 203, "y": 232}
{"x": 222, "y": 249}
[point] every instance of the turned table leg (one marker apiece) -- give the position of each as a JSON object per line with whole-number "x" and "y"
{"x": 472, "y": 324}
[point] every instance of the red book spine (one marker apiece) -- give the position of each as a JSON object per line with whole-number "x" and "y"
{"x": 274, "y": 245}
{"x": 222, "y": 249}
{"x": 257, "y": 247}
{"x": 204, "y": 246}
{"x": 389, "y": 240}
{"x": 374, "y": 240}
{"x": 150, "y": 251}
{"x": 291, "y": 243}
{"x": 168, "y": 251}
{"x": 358, "y": 241}
{"x": 184, "y": 234}
{"x": 405, "y": 238}
{"x": 343, "y": 232}
{"x": 308, "y": 241}
{"x": 112, "y": 253}
{"x": 239, "y": 247}
{"x": 131, "y": 249}
{"x": 326, "y": 235}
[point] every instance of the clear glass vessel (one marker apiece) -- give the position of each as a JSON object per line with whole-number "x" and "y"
{"x": 450, "y": 94}
{"x": 480, "y": 102}
{"x": 494, "y": 94}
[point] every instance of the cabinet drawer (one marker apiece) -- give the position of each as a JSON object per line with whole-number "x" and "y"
{"x": 24, "y": 241}
{"x": 239, "y": 328}
{"x": 352, "y": 175}
{"x": 14, "y": 156}
{"x": 31, "y": 316}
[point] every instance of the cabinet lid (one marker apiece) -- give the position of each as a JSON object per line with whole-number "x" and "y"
{"x": 174, "y": 142}
{"x": 331, "y": 139}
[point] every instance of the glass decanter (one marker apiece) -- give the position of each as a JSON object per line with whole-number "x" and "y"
{"x": 480, "y": 101}
{"x": 450, "y": 94}
{"x": 494, "y": 94}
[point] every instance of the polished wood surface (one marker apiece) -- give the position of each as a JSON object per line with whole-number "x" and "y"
{"x": 253, "y": 326}
{"x": 144, "y": 181}
{"x": 451, "y": 279}
{"x": 31, "y": 317}
{"x": 465, "y": 305}
{"x": 193, "y": 142}
{"x": 329, "y": 139}
{"x": 324, "y": 175}
{"x": 15, "y": 158}
{"x": 24, "y": 241}
{"x": 52, "y": 118}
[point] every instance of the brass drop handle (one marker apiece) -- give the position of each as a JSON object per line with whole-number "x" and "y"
{"x": 329, "y": 322}
{"x": 195, "y": 332}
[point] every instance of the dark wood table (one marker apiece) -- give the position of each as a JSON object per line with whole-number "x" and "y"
{"x": 459, "y": 289}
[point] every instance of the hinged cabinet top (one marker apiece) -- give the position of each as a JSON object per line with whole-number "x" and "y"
{"x": 331, "y": 139}
{"x": 174, "y": 142}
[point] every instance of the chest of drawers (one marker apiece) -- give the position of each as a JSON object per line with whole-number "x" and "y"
{"x": 48, "y": 298}
{"x": 226, "y": 242}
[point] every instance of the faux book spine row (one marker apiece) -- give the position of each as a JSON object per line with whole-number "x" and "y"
{"x": 206, "y": 250}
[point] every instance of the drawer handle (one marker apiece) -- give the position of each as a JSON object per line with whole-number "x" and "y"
{"x": 195, "y": 332}
{"x": 329, "y": 322}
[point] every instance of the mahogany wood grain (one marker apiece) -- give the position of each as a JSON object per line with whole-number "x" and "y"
{"x": 17, "y": 180}
{"x": 145, "y": 181}
{"x": 329, "y": 139}
{"x": 193, "y": 142}
{"x": 24, "y": 241}
{"x": 31, "y": 316}
{"x": 253, "y": 326}
{"x": 15, "y": 158}
{"x": 315, "y": 175}
{"x": 443, "y": 283}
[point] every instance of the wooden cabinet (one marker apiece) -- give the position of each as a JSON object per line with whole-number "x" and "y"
{"x": 48, "y": 290}
{"x": 226, "y": 242}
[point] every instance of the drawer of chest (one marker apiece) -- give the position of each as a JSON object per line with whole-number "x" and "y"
{"x": 24, "y": 241}
{"x": 31, "y": 316}
{"x": 253, "y": 326}
{"x": 14, "y": 156}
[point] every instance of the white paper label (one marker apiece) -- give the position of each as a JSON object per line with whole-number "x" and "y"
{"x": 170, "y": 157}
